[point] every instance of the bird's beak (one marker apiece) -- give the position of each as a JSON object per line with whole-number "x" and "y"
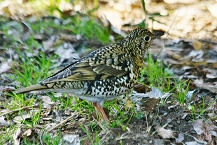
{"x": 158, "y": 34}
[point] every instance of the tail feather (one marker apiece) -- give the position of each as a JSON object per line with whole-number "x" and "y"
{"x": 36, "y": 87}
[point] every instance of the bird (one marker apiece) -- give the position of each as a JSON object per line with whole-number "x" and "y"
{"x": 104, "y": 74}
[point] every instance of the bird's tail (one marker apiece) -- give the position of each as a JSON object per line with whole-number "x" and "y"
{"x": 36, "y": 87}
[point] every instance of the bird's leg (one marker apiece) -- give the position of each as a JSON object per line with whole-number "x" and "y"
{"x": 100, "y": 110}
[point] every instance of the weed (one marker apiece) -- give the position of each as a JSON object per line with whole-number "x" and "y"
{"x": 90, "y": 28}
{"x": 199, "y": 109}
{"x": 48, "y": 139}
{"x": 182, "y": 90}
{"x": 34, "y": 117}
{"x": 33, "y": 71}
{"x": 18, "y": 101}
{"x": 155, "y": 74}
{"x": 88, "y": 134}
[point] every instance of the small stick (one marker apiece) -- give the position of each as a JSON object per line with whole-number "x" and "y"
{"x": 23, "y": 108}
{"x": 63, "y": 122}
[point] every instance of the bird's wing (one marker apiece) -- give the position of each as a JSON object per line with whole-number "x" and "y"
{"x": 98, "y": 65}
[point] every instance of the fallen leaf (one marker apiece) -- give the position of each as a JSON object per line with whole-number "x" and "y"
{"x": 180, "y": 138}
{"x": 3, "y": 122}
{"x": 205, "y": 129}
{"x": 165, "y": 133}
{"x": 129, "y": 104}
{"x": 5, "y": 66}
{"x": 192, "y": 143}
{"x": 154, "y": 93}
{"x": 19, "y": 119}
{"x": 16, "y": 136}
{"x": 197, "y": 125}
{"x": 47, "y": 102}
{"x": 28, "y": 132}
{"x": 202, "y": 85}
{"x": 150, "y": 104}
{"x": 197, "y": 45}
{"x": 71, "y": 139}
{"x": 180, "y": 1}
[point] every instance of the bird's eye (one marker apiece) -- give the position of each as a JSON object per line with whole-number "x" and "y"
{"x": 147, "y": 38}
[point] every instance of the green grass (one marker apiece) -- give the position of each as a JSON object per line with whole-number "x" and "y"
{"x": 8, "y": 134}
{"x": 198, "y": 110}
{"x": 88, "y": 27}
{"x": 31, "y": 72}
{"x": 47, "y": 139}
{"x": 156, "y": 75}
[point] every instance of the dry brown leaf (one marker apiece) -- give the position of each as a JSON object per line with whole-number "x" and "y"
{"x": 19, "y": 119}
{"x": 28, "y": 132}
{"x": 205, "y": 129}
{"x": 16, "y": 137}
{"x": 165, "y": 133}
{"x": 129, "y": 104}
{"x": 150, "y": 104}
{"x": 210, "y": 126}
{"x": 71, "y": 139}
{"x": 3, "y": 122}
{"x": 202, "y": 85}
{"x": 180, "y": 1}
{"x": 213, "y": 9}
{"x": 49, "y": 126}
{"x": 197, "y": 45}
{"x": 173, "y": 55}
{"x": 140, "y": 88}
{"x": 197, "y": 125}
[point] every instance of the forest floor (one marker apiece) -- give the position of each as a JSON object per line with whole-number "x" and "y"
{"x": 174, "y": 101}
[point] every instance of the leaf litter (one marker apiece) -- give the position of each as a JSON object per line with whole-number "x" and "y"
{"x": 188, "y": 59}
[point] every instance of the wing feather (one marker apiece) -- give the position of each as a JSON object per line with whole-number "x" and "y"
{"x": 92, "y": 68}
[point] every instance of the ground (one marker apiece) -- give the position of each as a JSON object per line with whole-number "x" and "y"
{"x": 174, "y": 101}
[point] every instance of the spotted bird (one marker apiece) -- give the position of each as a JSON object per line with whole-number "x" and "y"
{"x": 104, "y": 74}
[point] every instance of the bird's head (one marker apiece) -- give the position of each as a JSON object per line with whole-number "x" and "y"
{"x": 137, "y": 42}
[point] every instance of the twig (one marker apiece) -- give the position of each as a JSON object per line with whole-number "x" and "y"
{"x": 200, "y": 141}
{"x": 41, "y": 135}
{"x": 63, "y": 122}
{"x": 23, "y": 108}
{"x": 163, "y": 51}
{"x": 166, "y": 34}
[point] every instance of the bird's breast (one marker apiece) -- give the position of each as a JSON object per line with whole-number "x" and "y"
{"x": 109, "y": 87}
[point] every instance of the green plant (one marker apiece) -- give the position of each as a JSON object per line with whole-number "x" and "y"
{"x": 48, "y": 139}
{"x": 88, "y": 134}
{"x": 192, "y": 108}
{"x": 90, "y": 28}
{"x": 151, "y": 16}
{"x": 155, "y": 74}
{"x": 18, "y": 101}
{"x": 204, "y": 108}
{"x": 120, "y": 115}
{"x": 182, "y": 90}
{"x": 34, "y": 117}
{"x": 7, "y": 135}
{"x": 198, "y": 110}
{"x": 94, "y": 141}
{"x": 32, "y": 71}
